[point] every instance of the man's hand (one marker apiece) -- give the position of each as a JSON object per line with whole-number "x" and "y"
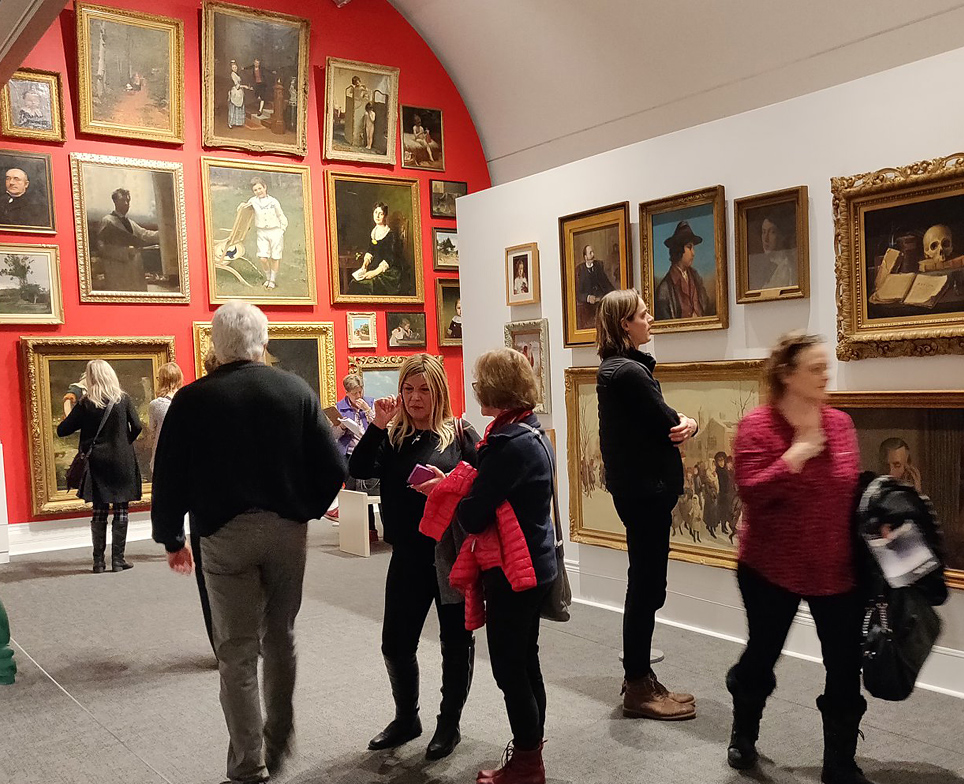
{"x": 182, "y": 561}
{"x": 686, "y": 428}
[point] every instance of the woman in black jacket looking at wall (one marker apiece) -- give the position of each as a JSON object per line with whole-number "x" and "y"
{"x": 639, "y": 436}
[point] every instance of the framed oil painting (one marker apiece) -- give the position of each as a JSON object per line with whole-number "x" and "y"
{"x": 445, "y": 245}
{"x": 596, "y": 255}
{"x": 380, "y": 374}
{"x": 773, "y": 246}
{"x": 130, "y": 80}
{"x": 30, "y": 285}
{"x": 423, "y": 145}
{"x": 375, "y": 235}
{"x": 361, "y": 111}
{"x": 254, "y": 89}
{"x": 900, "y": 260}
{"x": 405, "y": 330}
{"x": 683, "y": 260}
{"x": 131, "y": 231}
{"x": 531, "y": 339}
{"x": 717, "y": 394}
{"x": 361, "y": 330}
{"x": 448, "y": 311}
{"x": 27, "y": 204}
{"x": 444, "y": 195}
{"x": 53, "y": 378}
{"x": 32, "y": 106}
{"x": 258, "y": 227}
{"x": 522, "y": 274}
{"x": 306, "y": 349}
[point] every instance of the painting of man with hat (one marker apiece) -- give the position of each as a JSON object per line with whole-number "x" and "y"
{"x": 681, "y": 294}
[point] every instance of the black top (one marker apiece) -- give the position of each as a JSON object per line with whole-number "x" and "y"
{"x": 402, "y": 507}
{"x": 247, "y": 436}
{"x": 592, "y": 281}
{"x": 634, "y": 424}
{"x": 515, "y": 467}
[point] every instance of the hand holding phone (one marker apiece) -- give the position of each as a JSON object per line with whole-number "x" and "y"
{"x": 420, "y": 474}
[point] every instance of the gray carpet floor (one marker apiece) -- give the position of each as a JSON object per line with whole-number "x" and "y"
{"x": 117, "y": 684}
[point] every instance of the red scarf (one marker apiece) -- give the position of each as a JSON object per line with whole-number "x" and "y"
{"x": 509, "y": 417}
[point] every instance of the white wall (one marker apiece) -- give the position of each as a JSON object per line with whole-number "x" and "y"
{"x": 857, "y": 127}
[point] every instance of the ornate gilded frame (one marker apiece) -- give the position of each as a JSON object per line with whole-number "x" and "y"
{"x": 532, "y": 250}
{"x": 441, "y": 284}
{"x": 370, "y": 319}
{"x": 50, "y": 78}
{"x": 358, "y": 365}
{"x": 56, "y": 315}
{"x": 853, "y": 197}
{"x": 436, "y": 264}
{"x": 174, "y": 134}
{"x": 48, "y": 179}
{"x": 78, "y": 160}
{"x": 36, "y": 354}
{"x": 331, "y": 63}
{"x": 542, "y": 327}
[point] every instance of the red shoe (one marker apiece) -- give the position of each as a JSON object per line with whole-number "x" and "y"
{"x": 372, "y": 536}
{"x": 519, "y": 766}
{"x": 332, "y": 514}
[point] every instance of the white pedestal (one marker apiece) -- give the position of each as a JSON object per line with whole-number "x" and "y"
{"x": 353, "y": 523}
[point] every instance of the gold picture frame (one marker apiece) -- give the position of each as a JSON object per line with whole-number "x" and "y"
{"x": 531, "y": 339}
{"x": 32, "y": 212}
{"x": 361, "y": 329}
{"x": 317, "y": 368}
{"x": 522, "y": 282}
{"x": 900, "y": 278}
{"x": 427, "y": 150}
{"x": 60, "y": 361}
{"x": 286, "y": 81}
{"x": 380, "y": 374}
{"x": 772, "y": 246}
{"x": 351, "y": 87}
{"x": 111, "y": 89}
{"x": 32, "y": 302}
{"x": 45, "y": 90}
{"x": 448, "y": 311}
{"x": 668, "y": 226}
{"x": 117, "y": 270}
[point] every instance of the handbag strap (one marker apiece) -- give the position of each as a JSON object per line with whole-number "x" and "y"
{"x": 540, "y": 434}
{"x": 100, "y": 427}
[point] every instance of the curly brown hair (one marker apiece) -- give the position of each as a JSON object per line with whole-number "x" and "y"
{"x": 783, "y": 360}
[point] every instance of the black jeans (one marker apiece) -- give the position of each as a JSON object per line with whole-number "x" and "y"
{"x": 648, "y": 521}
{"x": 770, "y": 610}
{"x": 512, "y": 631}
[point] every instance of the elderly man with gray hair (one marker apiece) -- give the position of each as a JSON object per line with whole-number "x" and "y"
{"x": 249, "y": 453}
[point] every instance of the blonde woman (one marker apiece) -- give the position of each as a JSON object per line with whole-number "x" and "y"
{"x": 417, "y": 427}
{"x": 169, "y": 380}
{"x": 112, "y": 476}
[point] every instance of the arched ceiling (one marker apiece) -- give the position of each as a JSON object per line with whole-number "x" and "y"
{"x": 552, "y": 81}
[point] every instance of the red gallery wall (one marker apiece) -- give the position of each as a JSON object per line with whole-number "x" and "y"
{"x": 367, "y": 30}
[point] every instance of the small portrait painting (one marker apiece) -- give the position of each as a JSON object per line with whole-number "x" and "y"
{"x": 448, "y": 302}
{"x": 361, "y": 330}
{"x": 772, "y": 247}
{"x": 405, "y": 330}
{"x": 31, "y": 106}
{"x": 361, "y": 112}
{"x": 26, "y": 204}
{"x": 446, "y": 249}
{"x": 444, "y": 195}
{"x": 422, "y": 143}
{"x": 30, "y": 285}
{"x": 522, "y": 274}
{"x": 530, "y": 338}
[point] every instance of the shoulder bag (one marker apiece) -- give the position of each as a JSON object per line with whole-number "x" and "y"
{"x": 78, "y": 466}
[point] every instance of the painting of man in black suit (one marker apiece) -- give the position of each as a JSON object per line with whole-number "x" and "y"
{"x": 25, "y": 200}
{"x": 592, "y": 284}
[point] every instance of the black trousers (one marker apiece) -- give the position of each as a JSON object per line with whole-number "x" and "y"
{"x": 770, "y": 610}
{"x": 648, "y": 521}
{"x": 201, "y": 585}
{"x": 512, "y": 631}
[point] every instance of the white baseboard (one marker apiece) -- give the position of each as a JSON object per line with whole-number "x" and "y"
{"x": 48, "y": 535}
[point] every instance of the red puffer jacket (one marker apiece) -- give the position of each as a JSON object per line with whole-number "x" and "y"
{"x": 501, "y": 546}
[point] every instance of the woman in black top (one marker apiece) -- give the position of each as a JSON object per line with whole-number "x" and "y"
{"x": 417, "y": 427}
{"x": 381, "y": 264}
{"x": 639, "y": 436}
{"x": 113, "y": 476}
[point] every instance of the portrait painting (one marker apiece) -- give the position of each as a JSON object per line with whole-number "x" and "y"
{"x": 522, "y": 274}
{"x": 53, "y": 382}
{"x": 254, "y": 90}
{"x": 32, "y": 106}
{"x": 772, "y": 246}
{"x": 361, "y": 330}
{"x": 444, "y": 195}
{"x": 130, "y": 79}
{"x": 30, "y": 285}
{"x": 900, "y": 260}
{"x": 306, "y": 349}
{"x": 531, "y": 339}
{"x": 131, "y": 231}
{"x": 445, "y": 243}
{"x": 683, "y": 260}
{"x": 361, "y": 112}
{"x": 405, "y": 330}
{"x": 422, "y": 142}
{"x": 259, "y": 232}
{"x": 380, "y": 374}
{"x": 27, "y": 201}
{"x": 596, "y": 258}
{"x": 448, "y": 311}
{"x": 375, "y": 236}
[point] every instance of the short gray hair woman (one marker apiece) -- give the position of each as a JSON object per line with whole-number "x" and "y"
{"x": 239, "y": 332}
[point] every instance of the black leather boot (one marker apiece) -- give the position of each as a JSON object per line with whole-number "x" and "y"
{"x": 403, "y": 675}
{"x": 118, "y": 535}
{"x": 458, "y": 665}
{"x": 98, "y": 535}
{"x": 841, "y": 726}
{"x": 747, "y": 712}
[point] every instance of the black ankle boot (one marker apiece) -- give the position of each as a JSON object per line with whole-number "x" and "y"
{"x": 841, "y": 727}
{"x": 741, "y": 754}
{"x": 403, "y": 676}
{"x": 458, "y": 666}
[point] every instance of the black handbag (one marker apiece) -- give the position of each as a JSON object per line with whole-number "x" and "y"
{"x": 78, "y": 466}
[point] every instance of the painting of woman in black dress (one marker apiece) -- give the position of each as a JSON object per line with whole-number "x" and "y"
{"x": 380, "y": 271}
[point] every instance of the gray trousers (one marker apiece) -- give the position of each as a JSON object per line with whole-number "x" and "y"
{"x": 254, "y": 567}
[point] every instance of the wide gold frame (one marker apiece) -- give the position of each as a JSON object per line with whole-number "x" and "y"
{"x": 175, "y": 29}
{"x": 331, "y": 63}
{"x": 211, "y": 138}
{"x": 903, "y": 336}
{"x": 36, "y": 354}
{"x": 51, "y": 78}
{"x": 440, "y": 285}
{"x": 258, "y": 297}
{"x": 716, "y": 196}
{"x": 52, "y": 252}
{"x": 51, "y": 228}
{"x": 372, "y": 341}
{"x": 401, "y": 136}
{"x": 84, "y": 244}
{"x": 535, "y": 295}
{"x": 384, "y": 362}
{"x": 331, "y": 178}
{"x": 322, "y": 331}
{"x": 542, "y": 327}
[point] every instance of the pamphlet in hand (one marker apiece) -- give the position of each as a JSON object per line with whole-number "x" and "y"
{"x": 352, "y": 427}
{"x": 902, "y": 554}
{"x": 359, "y": 274}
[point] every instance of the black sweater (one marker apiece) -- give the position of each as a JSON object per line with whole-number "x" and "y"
{"x": 248, "y": 436}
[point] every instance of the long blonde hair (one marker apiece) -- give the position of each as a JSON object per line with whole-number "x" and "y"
{"x": 102, "y": 384}
{"x": 442, "y": 420}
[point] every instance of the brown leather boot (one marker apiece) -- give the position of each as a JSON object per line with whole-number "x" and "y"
{"x": 519, "y": 766}
{"x": 678, "y": 696}
{"x": 643, "y": 699}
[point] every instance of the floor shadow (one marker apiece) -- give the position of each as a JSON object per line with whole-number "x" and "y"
{"x": 898, "y": 773}
{"x": 15, "y": 572}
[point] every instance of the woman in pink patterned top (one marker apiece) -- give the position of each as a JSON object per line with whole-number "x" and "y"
{"x": 796, "y": 462}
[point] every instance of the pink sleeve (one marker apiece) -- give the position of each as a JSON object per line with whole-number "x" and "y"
{"x": 760, "y": 472}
